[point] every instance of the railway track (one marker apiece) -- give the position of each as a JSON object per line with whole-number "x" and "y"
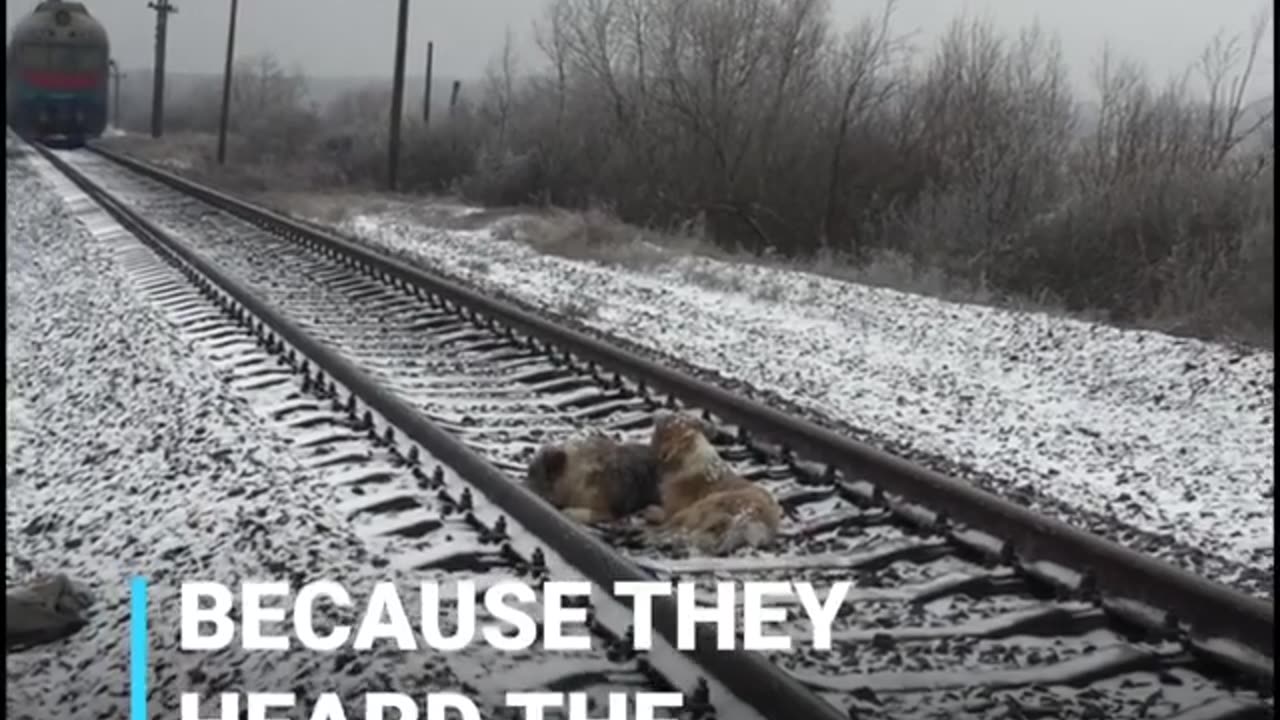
{"x": 963, "y": 605}
{"x": 394, "y": 497}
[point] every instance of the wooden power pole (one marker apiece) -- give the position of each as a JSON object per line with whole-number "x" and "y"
{"x": 397, "y": 97}
{"x": 426, "y": 93}
{"x": 162, "y": 8}
{"x": 226, "y": 85}
{"x": 115, "y": 92}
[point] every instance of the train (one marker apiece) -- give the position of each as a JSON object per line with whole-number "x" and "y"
{"x": 57, "y": 72}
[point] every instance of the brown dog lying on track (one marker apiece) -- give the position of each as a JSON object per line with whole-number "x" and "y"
{"x": 701, "y": 497}
{"x": 595, "y": 478}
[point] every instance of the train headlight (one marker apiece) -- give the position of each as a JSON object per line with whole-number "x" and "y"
{"x": 62, "y": 18}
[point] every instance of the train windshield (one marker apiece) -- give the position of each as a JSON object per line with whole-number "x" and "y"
{"x": 63, "y": 58}
{"x": 72, "y": 7}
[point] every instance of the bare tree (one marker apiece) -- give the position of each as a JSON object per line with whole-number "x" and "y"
{"x": 551, "y": 39}
{"x": 363, "y": 107}
{"x": 262, "y": 87}
{"x": 867, "y": 52}
{"x": 500, "y": 82}
{"x": 1227, "y": 124}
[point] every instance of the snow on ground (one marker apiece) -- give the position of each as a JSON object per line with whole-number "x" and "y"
{"x": 1171, "y": 436}
{"x": 126, "y": 455}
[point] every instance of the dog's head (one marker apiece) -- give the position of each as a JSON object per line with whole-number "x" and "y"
{"x": 545, "y": 470}
{"x": 675, "y": 434}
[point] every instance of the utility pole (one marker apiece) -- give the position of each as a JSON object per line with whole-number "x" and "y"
{"x": 426, "y": 93}
{"x": 115, "y": 93}
{"x": 162, "y": 8}
{"x": 226, "y": 85}
{"x": 397, "y": 96}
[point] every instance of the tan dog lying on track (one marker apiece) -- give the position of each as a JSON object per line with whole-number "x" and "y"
{"x": 595, "y": 478}
{"x": 701, "y": 497}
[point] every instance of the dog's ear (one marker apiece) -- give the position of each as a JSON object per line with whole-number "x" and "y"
{"x": 547, "y": 462}
{"x": 664, "y": 419}
{"x": 708, "y": 428}
{"x": 554, "y": 459}
{"x": 661, "y": 424}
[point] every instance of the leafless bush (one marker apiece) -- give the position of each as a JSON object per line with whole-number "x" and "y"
{"x": 269, "y": 112}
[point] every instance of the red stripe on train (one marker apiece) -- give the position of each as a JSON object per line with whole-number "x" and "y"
{"x": 62, "y": 81}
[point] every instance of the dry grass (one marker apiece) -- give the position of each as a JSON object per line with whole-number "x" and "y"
{"x": 182, "y": 151}
{"x": 330, "y": 208}
{"x": 599, "y": 237}
{"x": 247, "y": 171}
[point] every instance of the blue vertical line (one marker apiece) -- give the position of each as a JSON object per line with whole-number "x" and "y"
{"x": 138, "y": 650}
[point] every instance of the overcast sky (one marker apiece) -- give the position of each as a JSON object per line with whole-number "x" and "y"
{"x": 356, "y": 37}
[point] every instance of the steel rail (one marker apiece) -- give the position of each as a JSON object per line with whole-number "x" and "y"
{"x": 761, "y": 684}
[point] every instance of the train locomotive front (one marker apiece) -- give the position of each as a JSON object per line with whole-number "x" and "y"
{"x": 57, "y": 75}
